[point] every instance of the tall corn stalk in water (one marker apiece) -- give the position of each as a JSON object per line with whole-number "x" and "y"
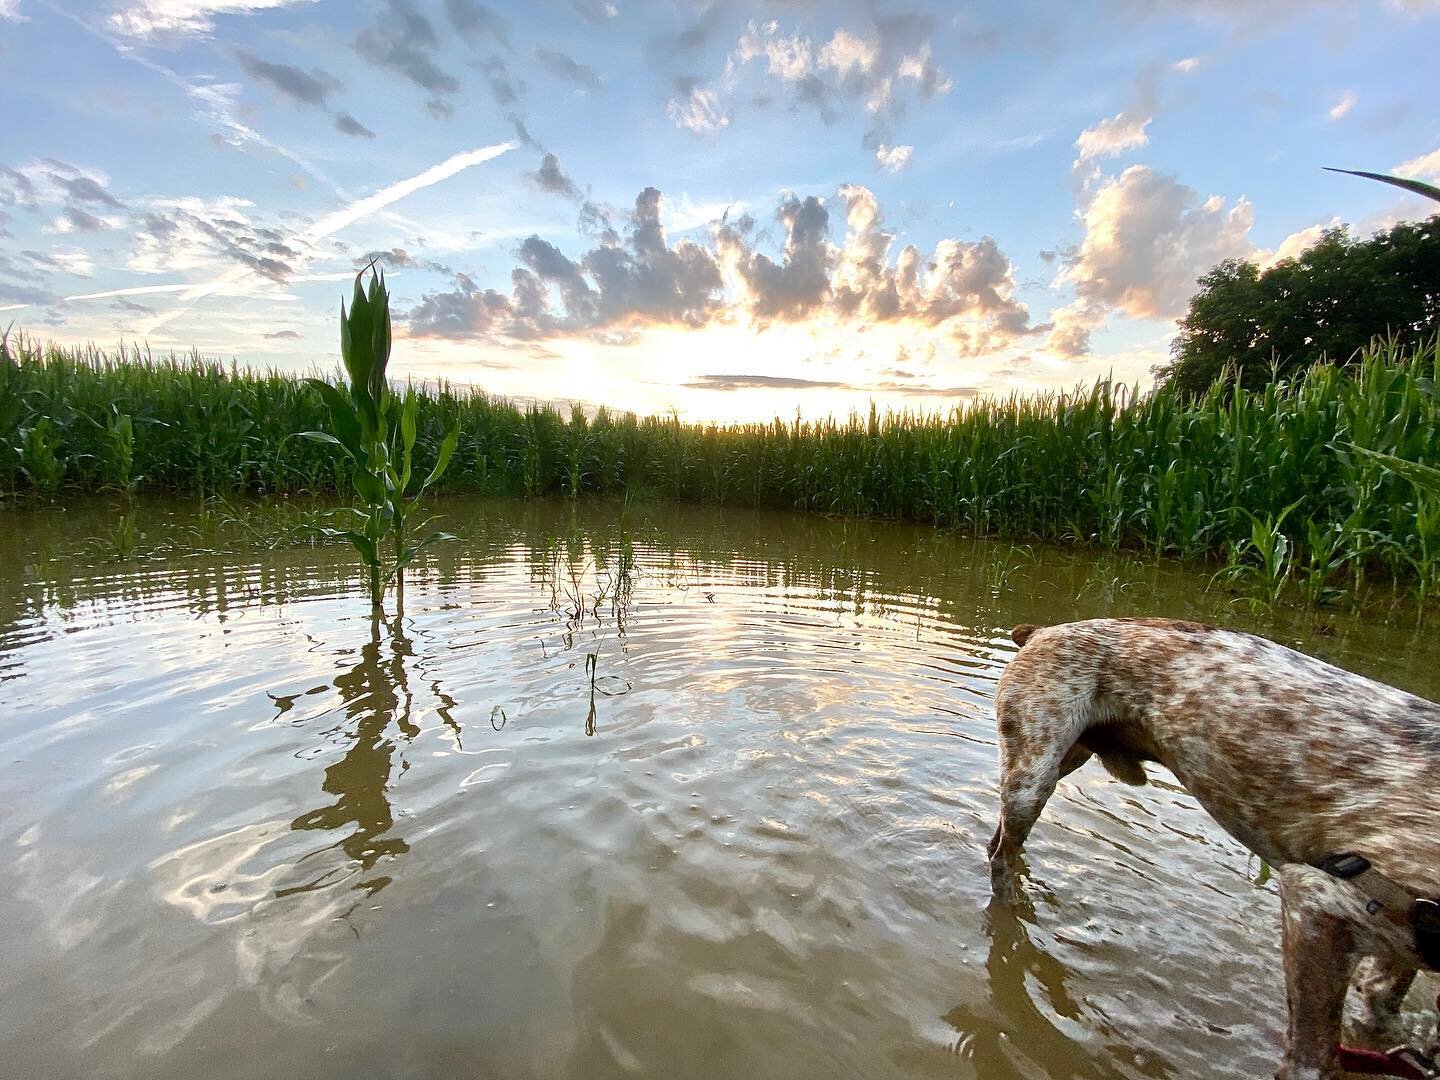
{"x": 379, "y": 438}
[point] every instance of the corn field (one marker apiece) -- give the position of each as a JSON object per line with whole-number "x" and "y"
{"x": 1265, "y": 480}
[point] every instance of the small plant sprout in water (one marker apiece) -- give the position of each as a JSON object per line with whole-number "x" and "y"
{"x": 378, "y": 435}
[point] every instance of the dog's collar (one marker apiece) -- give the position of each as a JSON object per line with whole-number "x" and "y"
{"x": 1388, "y": 899}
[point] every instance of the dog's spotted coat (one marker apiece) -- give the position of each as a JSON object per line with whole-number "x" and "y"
{"x": 1293, "y": 757}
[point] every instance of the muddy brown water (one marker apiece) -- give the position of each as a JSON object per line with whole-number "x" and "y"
{"x": 248, "y": 831}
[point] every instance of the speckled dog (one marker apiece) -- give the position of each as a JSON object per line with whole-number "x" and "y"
{"x": 1298, "y": 760}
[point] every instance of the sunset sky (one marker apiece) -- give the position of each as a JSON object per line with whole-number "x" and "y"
{"x": 732, "y": 210}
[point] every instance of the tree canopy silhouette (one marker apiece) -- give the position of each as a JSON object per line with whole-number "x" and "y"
{"x": 1328, "y": 302}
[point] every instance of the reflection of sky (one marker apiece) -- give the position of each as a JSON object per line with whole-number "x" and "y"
{"x": 210, "y": 172}
{"x": 275, "y": 823}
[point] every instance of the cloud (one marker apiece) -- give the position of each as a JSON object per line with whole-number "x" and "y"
{"x": 86, "y": 189}
{"x": 398, "y": 258}
{"x": 1343, "y": 104}
{"x": 699, "y": 111}
{"x": 595, "y": 12}
{"x": 283, "y": 335}
{"x": 1296, "y": 243}
{"x": 498, "y": 76}
{"x": 1147, "y": 239}
{"x": 190, "y": 233}
{"x": 307, "y": 89}
{"x": 869, "y": 66}
{"x": 760, "y": 382}
{"x": 1115, "y": 135}
{"x": 71, "y": 261}
{"x": 965, "y": 289}
{"x": 1424, "y": 167}
{"x": 784, "y": 382}
{"x": 1129, "y": 129}
{"x": 404, "y": 41}
{"x": 302, "y": 87}
{"x": 893, "y": 159}
{"x": 74, "y": 219}
{"x": 348, "y": 125}
{"x": 548, "y": 177}
{"x": 799, "y": 283}
{"x": 10, "y": 10}
{"x": 565, "y": 67}
{"x": 154, "y": 18}
{"x": 475, "y": 22}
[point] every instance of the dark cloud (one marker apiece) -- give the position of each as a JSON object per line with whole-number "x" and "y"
{"x": 304, "y": 87}
{"x": 398, "y": 258}
{"x": 565, "y": 67}
{"x": 16, "y": 189}
{"x": 782, "y": 382}
{"x": 548, "y": 177}
{"x": 309, "y": 89}
{"x": 86, "y": 190}
{"x": 26, "y": 294}
{"x": 283, "y": 335}
{"x": 521, "y": 131}
{"x": 965, "y": 288}
{"x": 760, "y": 382}
{"x": 83, "y": 221}
{"x": 172, "y": 234}
{"x": 644, "y": 280}
{"x": 123, "y": 304}
{"x": 404, "y": 41}
{"x": 912, "y": 390}
{"x": 475, "y": 22}
{"x": 498, "y": 76}
{"x": 348, "y": 125}
{"x": 799, "y": 283}
{"x": 692, "y": 38}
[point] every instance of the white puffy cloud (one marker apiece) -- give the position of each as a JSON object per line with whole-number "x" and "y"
{"x": 1343, "y": 104}
{"x": 1148, "y": 238}
{"x": 791, "y": 57}
{"x": 1424, "y": 167}
{"x": 1115, "y": 135}
{"x": 893, "y": 159}
{"x": 698, "y": 111}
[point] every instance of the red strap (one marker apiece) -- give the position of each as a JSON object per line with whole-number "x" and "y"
{"x": 1375, "y": 1063}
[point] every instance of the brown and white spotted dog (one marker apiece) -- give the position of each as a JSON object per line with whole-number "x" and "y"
{"x": 1296, "y": 759}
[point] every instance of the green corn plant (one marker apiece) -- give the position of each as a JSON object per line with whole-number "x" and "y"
{"x": 39, "y": 461}
{"x": 379, "y": 439}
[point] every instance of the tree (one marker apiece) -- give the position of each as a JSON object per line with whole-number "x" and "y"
{"x": 1325, "y": 304}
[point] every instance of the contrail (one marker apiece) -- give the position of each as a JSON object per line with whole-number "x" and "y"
{"x": 186, "y": 286}
{"x": 346, "y": 216}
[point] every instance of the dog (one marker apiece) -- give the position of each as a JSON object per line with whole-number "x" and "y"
{"x": 1331, "y": 778}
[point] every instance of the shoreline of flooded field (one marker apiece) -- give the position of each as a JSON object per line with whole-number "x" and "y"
{"x": 645, "y": 790}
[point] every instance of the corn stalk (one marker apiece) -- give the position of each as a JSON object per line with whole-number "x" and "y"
{"x": 378, "y": 436}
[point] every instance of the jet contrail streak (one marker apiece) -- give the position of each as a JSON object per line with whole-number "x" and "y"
{"x": 348, "y": 215}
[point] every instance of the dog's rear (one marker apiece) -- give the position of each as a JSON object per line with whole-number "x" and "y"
{"x": 1295, "y": 758}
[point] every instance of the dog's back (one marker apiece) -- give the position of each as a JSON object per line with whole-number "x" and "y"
{"x": 1296, "y": 758}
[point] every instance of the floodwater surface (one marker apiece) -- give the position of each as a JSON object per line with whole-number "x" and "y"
{"x": 660, "y": 792}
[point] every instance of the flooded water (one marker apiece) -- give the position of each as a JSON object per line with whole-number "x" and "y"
{"x": 249, "y": 831}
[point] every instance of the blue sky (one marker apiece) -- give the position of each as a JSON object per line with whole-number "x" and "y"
{"x": 731, "y": 210}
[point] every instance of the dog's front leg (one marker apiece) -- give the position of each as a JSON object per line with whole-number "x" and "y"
{"x": 1381, "y": 983}
{"x": 1026, "y": 784}
{"x": 1319, "y": 951}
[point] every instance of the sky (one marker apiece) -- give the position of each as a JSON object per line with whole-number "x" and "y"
{"x": 727, "y": 210}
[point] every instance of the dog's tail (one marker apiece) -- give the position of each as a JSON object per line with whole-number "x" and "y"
{"x": 1021, "y": 633}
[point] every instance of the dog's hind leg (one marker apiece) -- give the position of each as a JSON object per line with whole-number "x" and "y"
{"x": 1032, "y": 762}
